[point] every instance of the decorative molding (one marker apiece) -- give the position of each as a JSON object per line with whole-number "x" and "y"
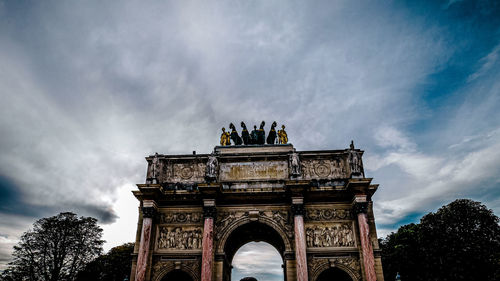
{"x": 181, "y": 217}
{"x": 328, "y": 214}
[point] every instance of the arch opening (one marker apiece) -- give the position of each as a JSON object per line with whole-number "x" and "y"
{"x": 334, "y": 274}
{"x": 263, "y": 236}
{"x": 259, "y": 260}
{"x": 177, "y": 275}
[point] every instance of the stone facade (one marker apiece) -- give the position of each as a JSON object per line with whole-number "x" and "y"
{"x": 314, "y": 207}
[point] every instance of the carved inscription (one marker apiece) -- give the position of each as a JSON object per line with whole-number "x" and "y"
{"x": 332, "y": 235}
{"x": 254, "y": 171}
{"x": 328, "y": 214}
{"x": 180, "y": 238}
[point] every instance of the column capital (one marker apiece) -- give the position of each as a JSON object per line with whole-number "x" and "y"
{"x": 298, "y": 209}
{"x": 209, "y": 212}
{"x": 149, "y": 208}
{"x": 360, "y": 207}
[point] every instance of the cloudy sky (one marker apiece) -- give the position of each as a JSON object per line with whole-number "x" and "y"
{"x": 89, "y": 88}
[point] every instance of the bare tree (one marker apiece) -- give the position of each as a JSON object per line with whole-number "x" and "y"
{"x": 57, "y": 248}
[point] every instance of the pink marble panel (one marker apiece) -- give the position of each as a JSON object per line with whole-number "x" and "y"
{"x": 207, "y": 256}
{"x": 300, "y": 249}
{"x": 142, "y": 259}
{"x": 366, "y": 246}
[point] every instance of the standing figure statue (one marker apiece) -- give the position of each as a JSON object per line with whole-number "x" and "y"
{"x": 244, "y": 134}
{"x": 254, "y": 135}
{"x": 211, "y": 168}
{"x": 355, "y": 162}
{"x": 225, "y": 137}
{"x": 261, "y": 134}
{"x": 234, "y": 135}
{"x": 282, "y": 136}
{"x": 295, "y": 165}
{"x": 271, "y": 138}
{"x": 154, "y": 170}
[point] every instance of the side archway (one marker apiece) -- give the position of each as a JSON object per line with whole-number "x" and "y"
{"x": 171, "y": 271}
{"x": 348, "y": 266}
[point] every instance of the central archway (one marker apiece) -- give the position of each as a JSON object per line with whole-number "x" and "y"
{"x": 254, "y": 231}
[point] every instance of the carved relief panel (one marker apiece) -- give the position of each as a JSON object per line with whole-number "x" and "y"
{"x": 323, "y": 169}
{"x": 179, "y": 238}
{"x": 330, "y": 235}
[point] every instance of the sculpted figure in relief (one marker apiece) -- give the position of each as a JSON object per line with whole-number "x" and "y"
{"x": 337, "y": 235}
{"x": 177, "y": 238}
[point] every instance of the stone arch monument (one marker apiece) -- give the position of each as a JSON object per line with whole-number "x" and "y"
{"x": 314, "y": 207}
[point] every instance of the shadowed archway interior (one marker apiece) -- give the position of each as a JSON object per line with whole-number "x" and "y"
{"x": 177, "y": 275}
{"x": 334, "y": 274}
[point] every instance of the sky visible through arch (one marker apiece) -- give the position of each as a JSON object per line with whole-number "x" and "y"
{"x": 259, "y": 260}
{"x": 89, "y": 88}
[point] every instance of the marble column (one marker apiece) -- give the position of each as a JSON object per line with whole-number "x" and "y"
{"x": 300, "y": 239}
{"x": 361, "y": 209}
{"x": 148, "y": 212}
{"x": 207, "y": 259}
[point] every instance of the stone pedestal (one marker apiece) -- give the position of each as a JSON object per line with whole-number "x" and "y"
{"x": 207, "y": 259}
{"x": 300, "y": 240}
{"x": 361, "y": 208}
{"x": 148, "y": 211}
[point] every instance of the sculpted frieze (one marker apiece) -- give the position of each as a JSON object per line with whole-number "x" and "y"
{"x": 331, "y": 235}
{"x": 327, "y": 214}
{"x": 181, "y": 217}
{"x": 180, "y": 238}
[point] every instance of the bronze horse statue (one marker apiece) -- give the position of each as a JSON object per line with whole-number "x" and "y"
{"x": 234, "y": 135}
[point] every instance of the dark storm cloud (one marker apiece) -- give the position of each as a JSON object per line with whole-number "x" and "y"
{"x": 90, "y": 88}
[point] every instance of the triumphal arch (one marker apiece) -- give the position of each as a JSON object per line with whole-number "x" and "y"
{"x": 314, "y": 207}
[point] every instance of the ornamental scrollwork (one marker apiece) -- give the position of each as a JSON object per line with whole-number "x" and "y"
{"x": 179, "y": 238}
{"x": 334, "y": 235}
{"x": 328, "y": 214}
{"x": 162, "y": 268}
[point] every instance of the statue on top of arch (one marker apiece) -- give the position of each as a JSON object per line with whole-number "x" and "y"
{"x": 257, "y": 136}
